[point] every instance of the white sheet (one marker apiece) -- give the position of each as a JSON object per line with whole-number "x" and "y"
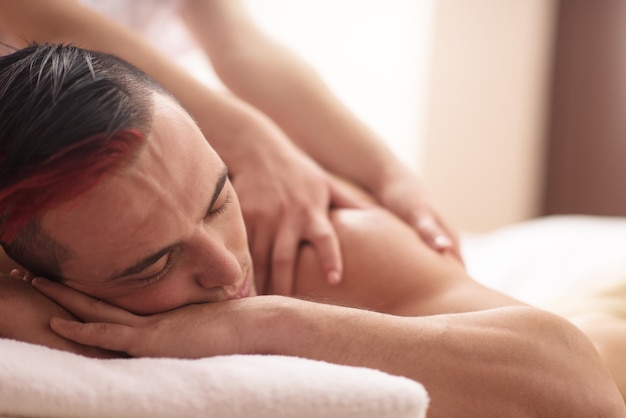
{"x": 551, "y": 261}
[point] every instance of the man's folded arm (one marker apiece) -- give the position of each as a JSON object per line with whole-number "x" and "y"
{"x": 509, "y": 361}
{"x": 504, "y": 361}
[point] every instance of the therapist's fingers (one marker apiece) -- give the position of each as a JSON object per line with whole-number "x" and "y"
{"x": 318, "y": 232}
{"x": 322, "y": 235}
{"x": 260, "y": 240}
{"x": 284, "y": 255}
{"x": 435, "y": 234}
{"x": 344, "y": 195}
{"x": 432, "y": 233}
{"x": 82, "y": 306}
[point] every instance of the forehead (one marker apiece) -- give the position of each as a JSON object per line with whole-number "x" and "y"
{"x": 141, "y": 208}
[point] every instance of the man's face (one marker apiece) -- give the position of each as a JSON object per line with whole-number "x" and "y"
{"x": 165, "y": 232}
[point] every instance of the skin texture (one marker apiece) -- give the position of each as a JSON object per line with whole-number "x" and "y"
{"x": 479, "y": 353}
{"x": 280, "y": 107}
{"x": 25, "y": 316}
{"x": 608, "y": 333}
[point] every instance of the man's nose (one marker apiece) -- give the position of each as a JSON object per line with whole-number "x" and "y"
{"x": 215, "y": 264}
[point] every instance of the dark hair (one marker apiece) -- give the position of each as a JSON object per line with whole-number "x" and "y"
{"x": 68, "y": 117}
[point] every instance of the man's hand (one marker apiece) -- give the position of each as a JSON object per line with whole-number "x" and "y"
{"x": 25, "y": 315}
{"x": 192, "y": 331}
{"x": 285, "y": 198}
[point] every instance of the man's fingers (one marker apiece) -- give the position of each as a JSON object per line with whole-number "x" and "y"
{"x": 21, "y": 274}
{"x": 83, "y": 306}
{"x": 323, "y": 237}
{"x": 112, "y": 337}
{"x": 18, "y": 274}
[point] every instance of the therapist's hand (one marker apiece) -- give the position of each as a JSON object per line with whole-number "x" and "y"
{"x": 285, "y": 198}
{"x": 402, "y": 194}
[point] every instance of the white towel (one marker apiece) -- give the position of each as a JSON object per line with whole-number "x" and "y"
{"x": 39, "y": 382}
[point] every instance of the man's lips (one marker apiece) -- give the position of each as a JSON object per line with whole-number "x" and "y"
{"x": 244, "y": 290}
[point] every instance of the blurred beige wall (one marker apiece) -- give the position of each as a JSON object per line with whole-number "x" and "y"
{"x": 482, "y": 158}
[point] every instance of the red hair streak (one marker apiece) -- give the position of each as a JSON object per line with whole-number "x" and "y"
{"x": 62, "y": 177}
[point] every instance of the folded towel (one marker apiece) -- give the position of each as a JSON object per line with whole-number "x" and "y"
{"x": 36, "y": 381}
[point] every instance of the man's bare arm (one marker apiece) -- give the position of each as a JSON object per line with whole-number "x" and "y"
{"x": 25, "y": 316}
{"x": 509, "y": 361}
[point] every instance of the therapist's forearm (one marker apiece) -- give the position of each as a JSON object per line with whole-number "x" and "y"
{"x": 276, "y": 81}
{"x": 226, "y": 121}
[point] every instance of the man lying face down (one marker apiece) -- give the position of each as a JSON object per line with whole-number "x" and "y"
{"x": 108, "y": 187}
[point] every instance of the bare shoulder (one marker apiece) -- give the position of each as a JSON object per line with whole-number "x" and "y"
{"x": 389, "y": 269}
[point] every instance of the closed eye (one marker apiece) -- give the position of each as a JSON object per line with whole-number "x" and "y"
{"x": 222, "y": 208}
{"x": 158, "y": 276}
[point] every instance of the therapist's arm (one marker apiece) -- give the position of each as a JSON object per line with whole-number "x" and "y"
{"x": 275, "y": 80}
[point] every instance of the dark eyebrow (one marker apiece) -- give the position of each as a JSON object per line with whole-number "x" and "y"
{"x": 153, "y": 258}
